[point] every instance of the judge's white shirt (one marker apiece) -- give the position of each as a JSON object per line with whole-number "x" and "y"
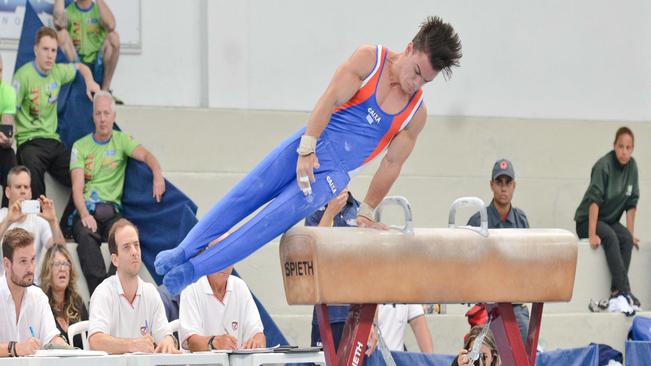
{"x": 34, "y": 312}
{"x": 201, "y": 313}
{"x": 111, "y": 312}
{"x": 40, "y": 229}
{"x": 393, "y": 320}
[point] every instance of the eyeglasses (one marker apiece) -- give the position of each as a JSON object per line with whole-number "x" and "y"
{"x": 64, "y": 264}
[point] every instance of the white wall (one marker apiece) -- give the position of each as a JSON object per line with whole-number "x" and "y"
{"x": 585, "y": 59}
{"x": 554, "y": 59}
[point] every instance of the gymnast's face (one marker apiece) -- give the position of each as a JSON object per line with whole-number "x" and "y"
{"x": 503, "y": 188}
{"x": 415, "y": 70}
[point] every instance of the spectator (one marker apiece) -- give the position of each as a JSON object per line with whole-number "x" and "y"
{"x": 502, "y": 215}
{"x": 340, "y": 212}
{"x": 488, "y": 356}
{"x": 126, "y": 313}
{"x": 43, "y": 227}
{"x": 58, "y": 280}
{"x": 97, "y": 167}
{"x": 86, "y": 33}
{"x": 26, "y": 322}
{"x": 37, "y": 86}
{"x": 218, "y": 312}
{"x": 7, "y": 114}
{"x": 613, "y": 189}
{"x": 393, "y": 319}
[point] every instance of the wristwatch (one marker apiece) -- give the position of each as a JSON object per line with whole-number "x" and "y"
{"x": 210, "y": 346}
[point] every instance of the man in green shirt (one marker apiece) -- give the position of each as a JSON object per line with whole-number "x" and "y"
{"x": 37, "y": 85}
{"x": 97, "y": 168}
{"x": 7, "y": 113}
{"x": 86, "y": 31}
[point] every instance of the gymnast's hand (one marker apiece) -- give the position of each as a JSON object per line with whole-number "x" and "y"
{"x": 365, "y": 222}
{"x": 305, "y": 172}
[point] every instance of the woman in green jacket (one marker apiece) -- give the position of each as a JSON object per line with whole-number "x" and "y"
{"x": 613, "y": 190}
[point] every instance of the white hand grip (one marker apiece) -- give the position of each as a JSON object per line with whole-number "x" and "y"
{"x": 470, "y": 202}
{"x": 406, "y": 208}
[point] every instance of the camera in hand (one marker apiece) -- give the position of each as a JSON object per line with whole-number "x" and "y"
{"x": 30, "y": 207}
{"x": 8, "y": 130}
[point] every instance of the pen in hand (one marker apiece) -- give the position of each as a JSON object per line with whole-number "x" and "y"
{"x": 226, "y": 333}
{"x": 31, "y": 331}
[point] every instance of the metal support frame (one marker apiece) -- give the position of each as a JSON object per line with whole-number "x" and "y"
{"x": 513, "y": 352}
{"x": 352, "y": 345}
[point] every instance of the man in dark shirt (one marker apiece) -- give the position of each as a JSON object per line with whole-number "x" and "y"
{"x": 341, "y": 212}
{"x": 502, "y": 215}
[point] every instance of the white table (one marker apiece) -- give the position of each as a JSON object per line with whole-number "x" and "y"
{"x": 256, "y": 359}
{"x": 199, "y": 358}
{"x": 116, "y": 360}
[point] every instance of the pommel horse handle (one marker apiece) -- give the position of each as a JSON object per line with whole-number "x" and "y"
{"x": 470, "y": 202}
{"x": 406, "y": 208}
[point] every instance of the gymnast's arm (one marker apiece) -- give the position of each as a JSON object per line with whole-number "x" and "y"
{"x": 391, "y": 164}
{"x": 344, "y": 84}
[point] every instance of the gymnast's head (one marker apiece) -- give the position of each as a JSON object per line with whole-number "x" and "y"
{"x": 435, "y": 48}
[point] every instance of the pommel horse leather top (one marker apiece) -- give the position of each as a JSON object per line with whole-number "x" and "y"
{"x": 443, "y": 265}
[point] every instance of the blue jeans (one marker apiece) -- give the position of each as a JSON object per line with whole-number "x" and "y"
{"x": 522, "y": 317}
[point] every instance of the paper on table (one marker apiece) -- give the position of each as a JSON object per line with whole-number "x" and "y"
{"x": 255, "y": 350}
{"x": 68, "y": 353}
{"x": 221, "y": 351}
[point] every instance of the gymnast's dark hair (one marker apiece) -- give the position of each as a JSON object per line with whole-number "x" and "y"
{"x": 441, "y": 44}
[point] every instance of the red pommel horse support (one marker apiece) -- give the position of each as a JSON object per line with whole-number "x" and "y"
{"x": 366, "y": 267}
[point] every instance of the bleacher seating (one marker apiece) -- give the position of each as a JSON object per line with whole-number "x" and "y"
{"x": 204, "y": 152}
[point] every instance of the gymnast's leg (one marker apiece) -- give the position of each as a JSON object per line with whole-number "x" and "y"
{"x": 259, "y": 186}
{"x": 280, "y": 215}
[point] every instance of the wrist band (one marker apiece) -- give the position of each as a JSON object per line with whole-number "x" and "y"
{"x": 11, "y": 349}
{"x": 176, "y": 341}
{"x": 365, "y": 210}
{"x": 210, "y": 346}
{"x": 307, "y": 145}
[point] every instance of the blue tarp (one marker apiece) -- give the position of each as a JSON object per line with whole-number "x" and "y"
{"x": 586, "y": 356}
{"x": 410, "y": 358}
{"x": 640, "y": 329}
{"x": 638, "y": 353}
{"x": 162, "y": 225}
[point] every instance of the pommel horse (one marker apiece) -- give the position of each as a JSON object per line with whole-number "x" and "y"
{"x": 366, "y": 267}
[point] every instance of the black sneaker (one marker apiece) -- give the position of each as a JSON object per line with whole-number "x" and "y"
{"x": 635, "y": 303}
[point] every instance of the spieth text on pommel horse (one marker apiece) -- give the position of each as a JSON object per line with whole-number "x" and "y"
{"x": 303, "y": 268}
